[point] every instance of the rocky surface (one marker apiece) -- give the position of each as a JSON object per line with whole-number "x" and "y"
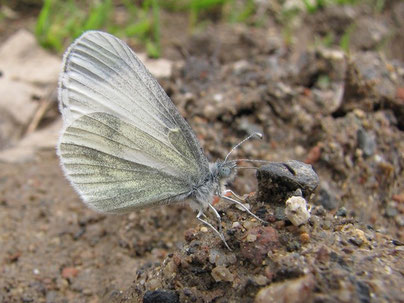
{"x": 340, "y": 112}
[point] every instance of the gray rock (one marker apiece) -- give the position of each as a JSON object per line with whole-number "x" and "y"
{"x": 327, "y": 198}
{"x": 279, "y": 180}
{"x": 161, "y": 296}
{"x": 366, "y": 142}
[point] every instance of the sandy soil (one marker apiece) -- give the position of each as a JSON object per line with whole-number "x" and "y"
{"x": 341, "y": 113}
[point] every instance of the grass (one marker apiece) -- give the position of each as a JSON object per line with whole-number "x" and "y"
{"x": 345, "y": 40}
{"x": 60, "y": 21}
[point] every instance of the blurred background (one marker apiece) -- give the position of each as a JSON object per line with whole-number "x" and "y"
{"x": 55, "y": 23}
{"x": 323, "y": 80}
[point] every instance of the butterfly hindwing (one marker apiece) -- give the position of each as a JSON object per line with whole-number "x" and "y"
{"x": 116, "y": 167}
{"x": 124, "y": 143}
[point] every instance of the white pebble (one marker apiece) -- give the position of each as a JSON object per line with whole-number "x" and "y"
{"x": 296, "y": 210}
{"x": 236, "y": 225}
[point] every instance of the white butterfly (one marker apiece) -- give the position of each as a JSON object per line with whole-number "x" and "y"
{"x": 124, "y": 145}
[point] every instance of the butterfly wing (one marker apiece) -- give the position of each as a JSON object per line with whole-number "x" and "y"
{"x": 124, "y": 143}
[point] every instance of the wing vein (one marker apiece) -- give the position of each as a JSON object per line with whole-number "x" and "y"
{"x": 170, "y": 118}
{"x": 89, "y": 71}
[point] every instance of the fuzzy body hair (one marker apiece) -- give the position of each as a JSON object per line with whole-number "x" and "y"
{"x": 214, "y": 184}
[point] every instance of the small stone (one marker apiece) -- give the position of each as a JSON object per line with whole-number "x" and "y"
{"x": 190, "y": 234}
{"x": 261, "y": 280}
{"x": 366, "y": 142}
{"x": 161, "y": 296}
{"x": 221, "y": 273}
{"x": 214, "y": 255}
{"x": 314, "y": 154}
{"x": 236, "y": 225}
{"x": 323, "y": 254}
{"x": 399, "y": 197}
{"x": 251, "y": 238}
{"x": 391, "y": 211}
{"x": 278, "y": 179}
{"x": 69, "y": 272}
{"x": 87, "y": 292}
{"x": 170, "y": 268}
{"x": 318, "y": 211}
{"x": 293, "y": 246}
{"x": 280, "y": 213}
{"x": 268, "y": 273}
{"x": 327, "y": 197}
{"x": 358, "y": 237}
{"x": 299, "y": 150}
{"x": 296, "y": 210}
{"x": 27, "y": 299}
{"x": 267, "y": 239}
{"x": 304, "y": 238}
{"x": 327, "y": 224}
{"x": 342, "y": 212}
{"x": 242, "y": 208}
{"x": 279, "y": 224}
{"x": 154, "y": 284}
{"x": 291, "y": 291}
{"x": 204, "y": 229}
{"x": 399, "y": 220}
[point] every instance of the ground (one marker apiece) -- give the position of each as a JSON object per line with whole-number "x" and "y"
{"x": 340, "y": 112}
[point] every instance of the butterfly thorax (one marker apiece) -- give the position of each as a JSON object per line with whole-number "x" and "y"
{"x": 213, "y": 183}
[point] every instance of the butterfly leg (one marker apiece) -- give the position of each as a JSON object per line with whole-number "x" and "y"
{"x": 221, "y": 236}
{"x": 233, "y": 193}
{"x": 242, "y": 206}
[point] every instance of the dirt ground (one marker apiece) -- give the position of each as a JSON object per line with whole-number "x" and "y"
{"x": 342, "y": 113}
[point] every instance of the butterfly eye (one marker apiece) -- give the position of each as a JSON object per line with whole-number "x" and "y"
{"x": 225, "y": 172}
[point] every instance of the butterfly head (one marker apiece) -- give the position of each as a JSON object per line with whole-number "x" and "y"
{"x": 226, "y": 170}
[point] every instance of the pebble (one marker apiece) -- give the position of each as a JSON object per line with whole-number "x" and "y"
{"x": 267, "y": 240}
{"x": 221, "y": 273}
{"x": 327, "y": 197}
{"x": 391, "y": 210}
{"x": 161, "y": 295}
{"x": 261, "y": 280}
{"x": 304, "y": 238}
{"x": 342, "y": 212}
{"x": 251, "y": 238}
{"x": 246, "y": 205}
{"x": 190, "y": 234}
{"x": 399, "y": 197}
{"x": 314, "y": 154}
{"x": 277, "y": 179}
{"x": 154, "y": 284}
{"x": 358, "y": 237}
{"x": 290, "y": 291}
{"x": 327, "y": 224}
{"x": 220, "y": 259}
{"x": 296, "y": 210}
{"x": 366, "y": 142}
{"x": 236, "y": 225}
{"x": 399, "y": 220}
{"x": 69, "y": 272}
{"x": 293, "y": 246}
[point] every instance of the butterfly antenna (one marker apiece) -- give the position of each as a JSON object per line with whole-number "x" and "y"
{"x": 259, "y": 135}
{"x": 250, "y": 160}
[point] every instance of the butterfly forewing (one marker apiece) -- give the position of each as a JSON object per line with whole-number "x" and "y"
{"x": 124, "y": 144}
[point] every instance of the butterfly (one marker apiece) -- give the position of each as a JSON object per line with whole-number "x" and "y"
{"x": 124, "y": 145}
